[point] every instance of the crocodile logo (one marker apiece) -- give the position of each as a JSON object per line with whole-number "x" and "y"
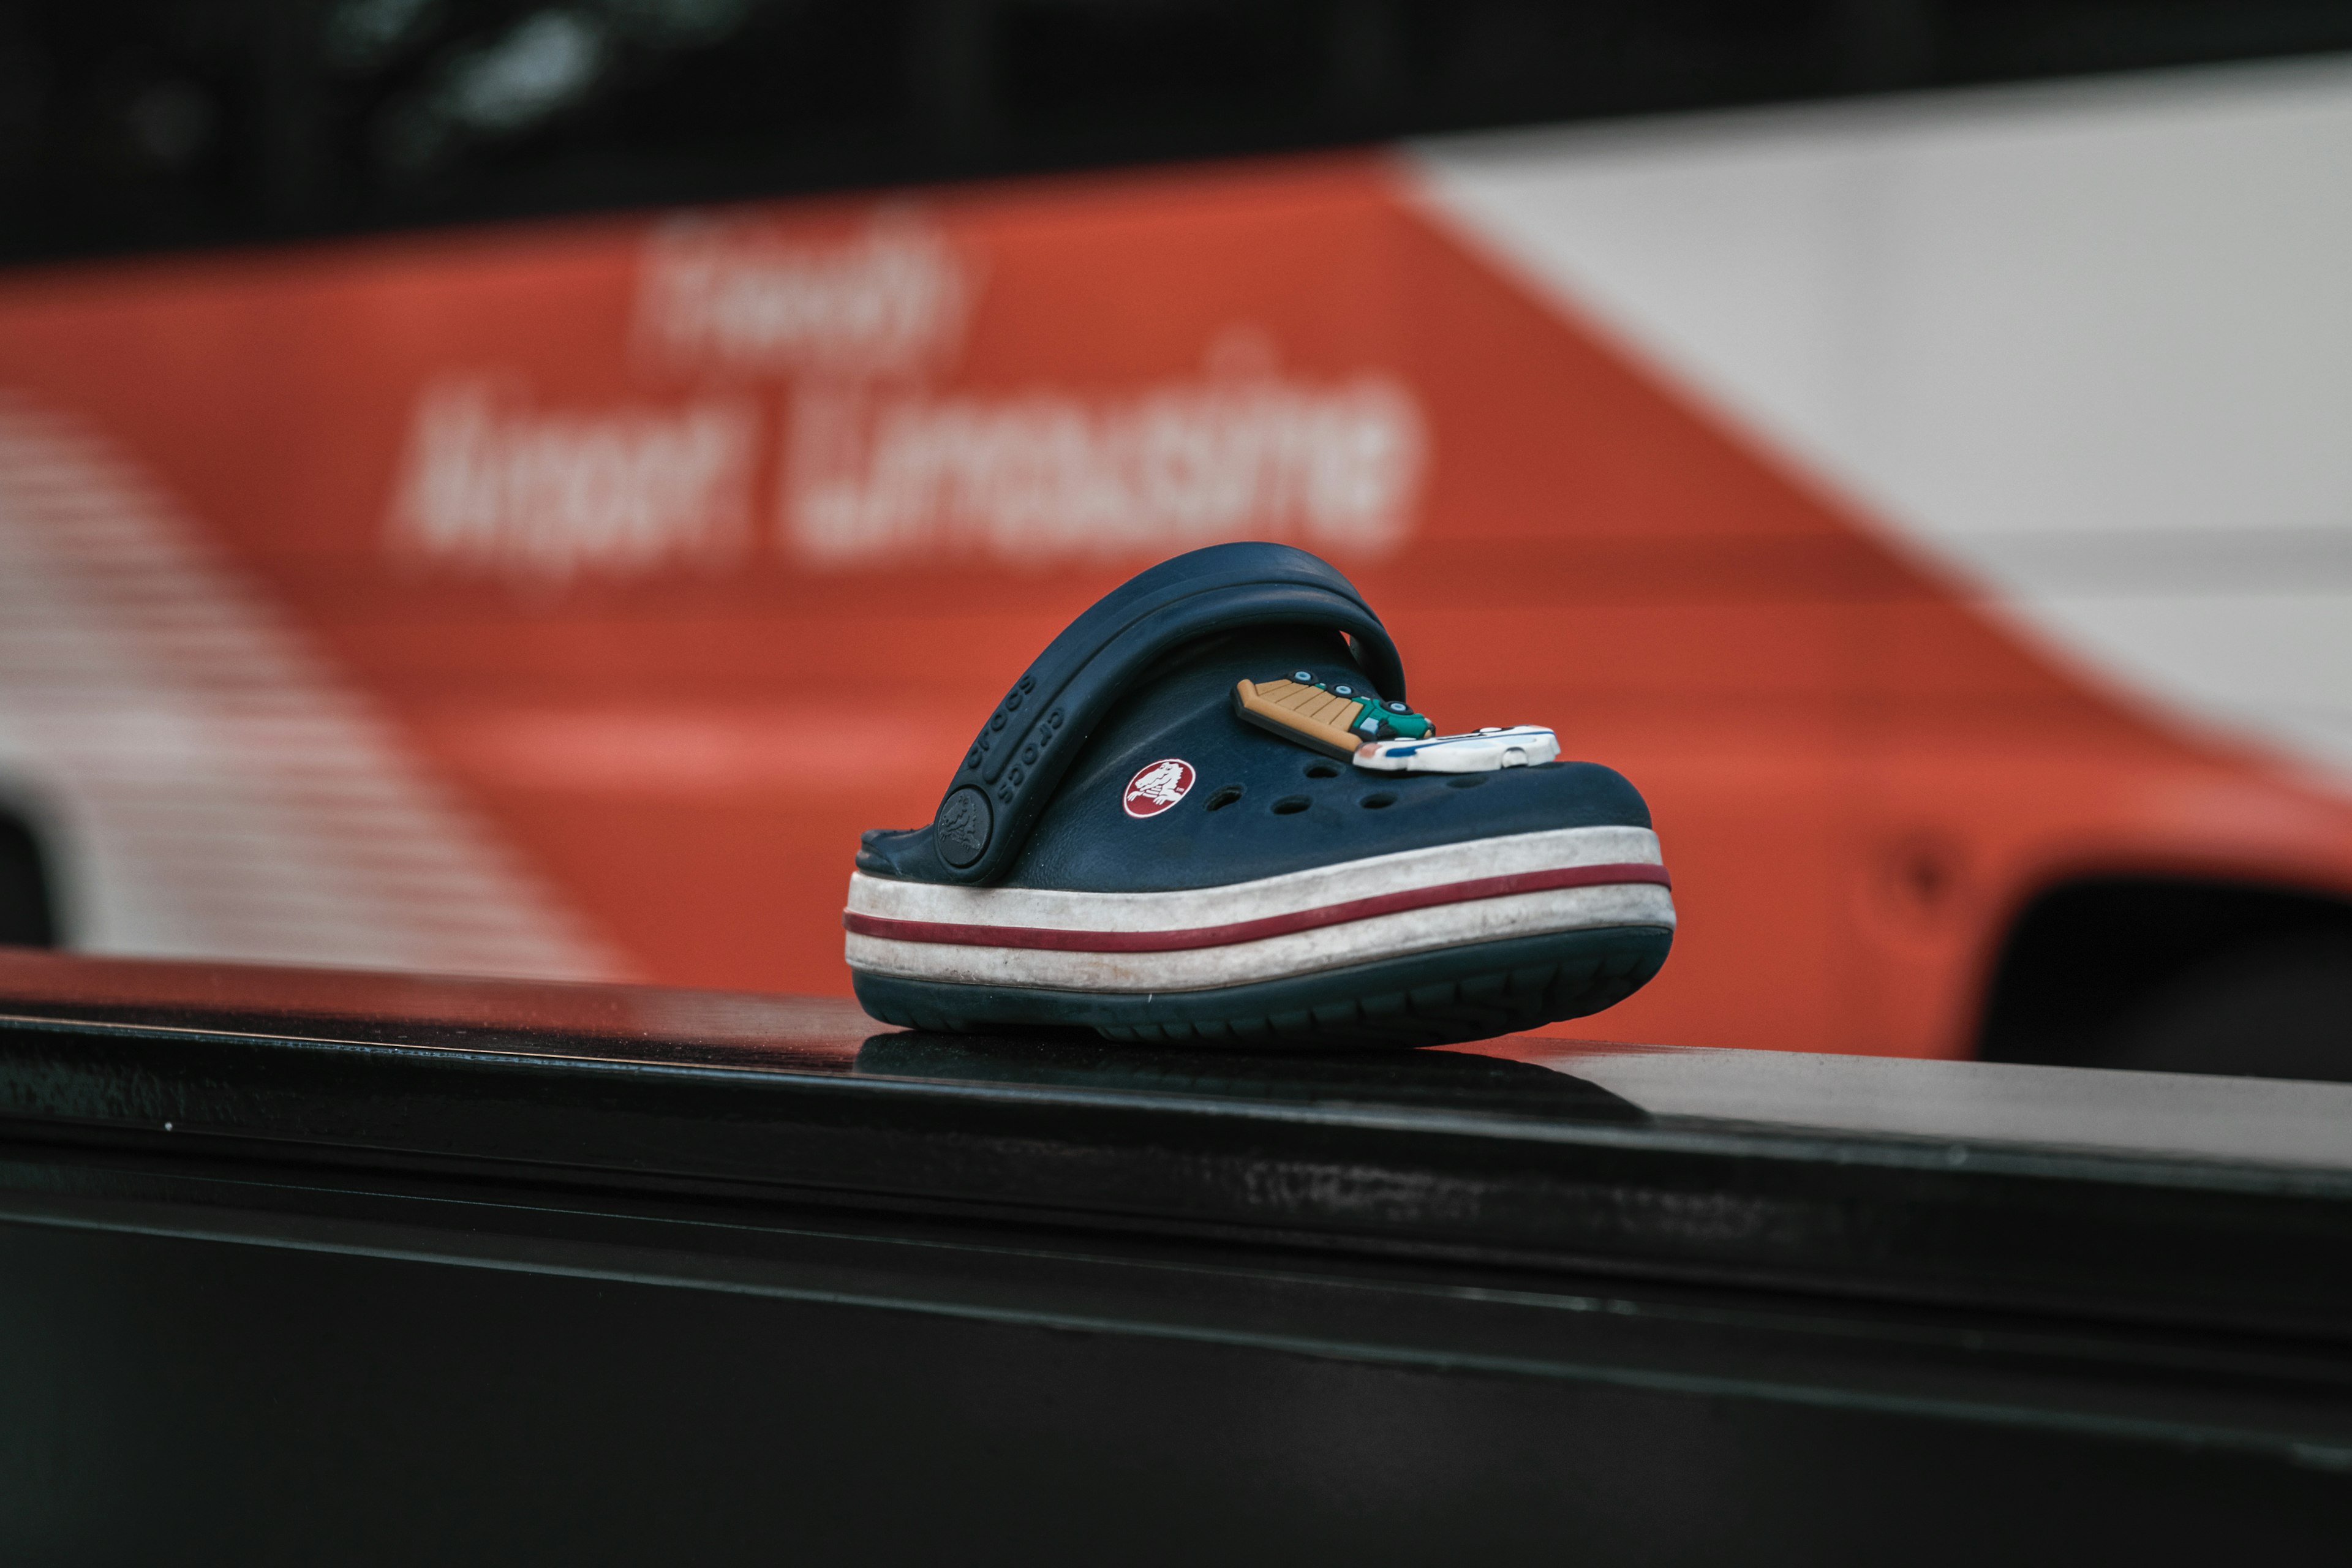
{"x": 1158, "y": 787}
{"x": 962, "y": 826}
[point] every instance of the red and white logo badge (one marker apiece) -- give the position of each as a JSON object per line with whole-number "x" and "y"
{"x": 1158, "y": 787}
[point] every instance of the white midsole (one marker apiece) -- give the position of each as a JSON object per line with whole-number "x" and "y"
{"x": 1406, "y": 870}
{"x": 1366, "y": 940}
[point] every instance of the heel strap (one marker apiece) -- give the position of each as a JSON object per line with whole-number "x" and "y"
{"x": 1010, "y": 773}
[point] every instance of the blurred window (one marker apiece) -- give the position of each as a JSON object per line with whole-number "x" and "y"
{"x": 186, "y": 123}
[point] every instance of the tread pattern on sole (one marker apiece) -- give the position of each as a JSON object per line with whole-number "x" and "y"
{"x": 1521, "y": 989}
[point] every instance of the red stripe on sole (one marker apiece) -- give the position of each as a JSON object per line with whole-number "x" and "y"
{"x": 1253, "y": 931}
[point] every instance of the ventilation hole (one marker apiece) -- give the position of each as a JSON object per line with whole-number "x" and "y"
{"x": 1290, "y": 805}
{"x": 1466, "y": 781}
{"x": 1380, "y": 802}
{"x": 1321, "y": 770}
{"x": 1224, "y": 797}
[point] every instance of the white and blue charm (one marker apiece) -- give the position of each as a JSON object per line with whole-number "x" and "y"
{"x": 1340, "y": 720}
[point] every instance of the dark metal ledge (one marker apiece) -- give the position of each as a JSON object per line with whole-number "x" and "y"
{"x": 1826, "y": 1260}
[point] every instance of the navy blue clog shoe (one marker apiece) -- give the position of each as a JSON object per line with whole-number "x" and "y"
{"x": 1208, "y": 813}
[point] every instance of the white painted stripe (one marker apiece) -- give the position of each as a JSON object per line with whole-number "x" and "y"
{"x": 1271, "y": 958}
{"x": 1290, "y": 893}
{"x": 212, "y": 785}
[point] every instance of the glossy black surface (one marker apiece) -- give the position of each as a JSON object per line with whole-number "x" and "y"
{"x": 297, "y": 1266}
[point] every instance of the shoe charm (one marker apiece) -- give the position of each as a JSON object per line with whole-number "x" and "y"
{"x": 1334, "y": 718}
{"x": 1481, "y": 751}
{"x": 1341, "y": 719}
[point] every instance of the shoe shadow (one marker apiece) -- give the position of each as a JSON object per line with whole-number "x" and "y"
{"x": 1424, "y": 1080}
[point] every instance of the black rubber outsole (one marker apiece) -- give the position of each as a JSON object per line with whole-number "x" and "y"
{"x": 1428, "y": 999}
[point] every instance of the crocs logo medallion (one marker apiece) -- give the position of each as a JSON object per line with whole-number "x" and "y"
{"x": 1158, "y": 787}
{"x": 962, "y": 826}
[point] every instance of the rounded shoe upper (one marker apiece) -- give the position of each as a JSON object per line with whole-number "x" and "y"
{"x": 1248, "y": 804}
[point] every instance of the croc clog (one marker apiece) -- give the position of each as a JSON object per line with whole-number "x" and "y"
{"x": 1207, "y": 814}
